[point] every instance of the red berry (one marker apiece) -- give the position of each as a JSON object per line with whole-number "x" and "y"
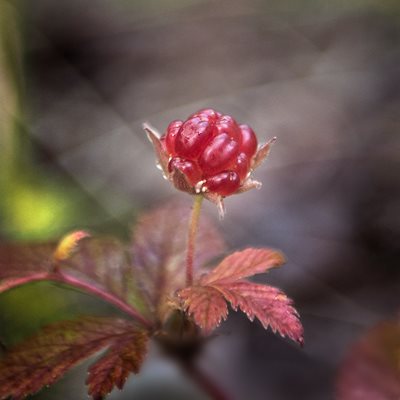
{"x": 226, "y": 124}
{"x": 210, "y": 148}
{"x": 170, "y": 136}
{"x": 193, "y": 137}
{"x": 208, "y": 113}
{"x": 219, "y": 154}
{"x": 189, "y": 168}
{"x": 241, "y": 166}
{"x": 224, "y": 183}
{"x": 249, "y": 141}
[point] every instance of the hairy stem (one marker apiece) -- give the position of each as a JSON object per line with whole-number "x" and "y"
{"x": 193, "y": 226}
{"x": 69, "y": 280}
{"x": 204, "y": 382}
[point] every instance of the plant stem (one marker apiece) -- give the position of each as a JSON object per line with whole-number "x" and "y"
{"x": 204, "y": 382}
{"x": 193, "y": 226}
{"x": 69, "y": 280}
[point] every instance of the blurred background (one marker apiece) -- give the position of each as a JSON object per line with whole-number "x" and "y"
{"x": 78, "y": 78}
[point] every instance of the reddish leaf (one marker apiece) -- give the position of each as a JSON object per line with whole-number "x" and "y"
{"x": 139, "y": 283}
{"x": 104, "y": 263}
{"x": 206, "y": 302}
{"x": 22, "y": 260}
{"x": 266, "y": 303}
{"x": 206, "y": 305}
{"x": 101, "y": 262}
{"x": 371, "y": 370}
{"x": 44, "y": 358}
{"x": 159, "y": 251}
{"x": 244, "y": 263}
{"x": 99, "y": 266}
{"x": 125, "y": 356}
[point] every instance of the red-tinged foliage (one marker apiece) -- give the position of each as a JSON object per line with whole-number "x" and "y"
{"x": 101, "y": 262}
{"x": 44, "y": 358}
{"x": 206, "y": 301}
{"x": 206, "y": 305}
{"x": 104, "y": 264}
{"x": 371, "y": 370}
{"x": 99, "y": 266}
{"x": 146, "y": 279}
{"x": 159, "y": 252}
{"x": 125, "y": 356}
{"x": 21, "y": 260}
{"x": 142, "y": 275}
{"x": 242, "y": 264}
{"x": 266, "y": 303}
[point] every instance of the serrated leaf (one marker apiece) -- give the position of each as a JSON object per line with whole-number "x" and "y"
{"x": 266, "y": 303}
{"x": 371, "y": 369}
{"x": 125, "y": 356}
{"x": 206, "y": 301}
{"x": 159, "y": 251}
{"x": 244, "y": 263}
{"x": 206, "y": 305}
{"x": 45, "y": 357}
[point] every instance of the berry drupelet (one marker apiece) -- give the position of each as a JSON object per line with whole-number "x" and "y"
{"x": 209, "y": 153}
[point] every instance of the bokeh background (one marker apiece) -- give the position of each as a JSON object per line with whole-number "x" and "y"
{"x": 77, "y": 79}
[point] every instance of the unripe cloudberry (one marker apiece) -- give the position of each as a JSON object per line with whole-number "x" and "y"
{"x": 209, "y": 153}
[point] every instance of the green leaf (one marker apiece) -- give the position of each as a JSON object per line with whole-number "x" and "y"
{"x": 44, "y": 358}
